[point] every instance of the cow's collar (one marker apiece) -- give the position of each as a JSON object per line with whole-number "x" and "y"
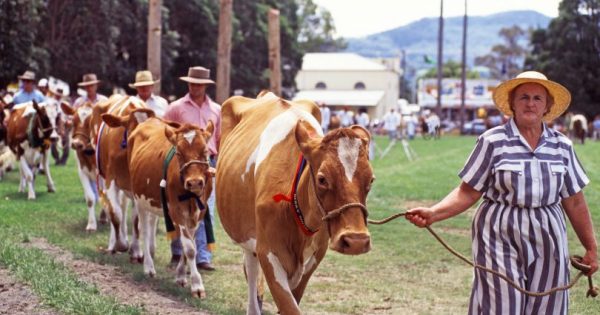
{"x": 293, "y": 199}
{"x": 34, "y": 140}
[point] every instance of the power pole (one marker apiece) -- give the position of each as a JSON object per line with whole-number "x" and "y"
{"x": 154, "y": 34}
{"x": 440, "y": 60}
{"x": 274, "y": 52}
{"x": 464, "y": 71}
{"x": 224, "y": 51}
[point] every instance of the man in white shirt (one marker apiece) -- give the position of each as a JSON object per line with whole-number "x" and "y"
{"x": 391, "y": 121}
{"x": 144, "y": 84}
{"x": 325, "y": 116}
{"x": 90, "y": 85}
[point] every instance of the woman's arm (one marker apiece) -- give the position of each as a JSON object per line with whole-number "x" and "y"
{"x": 579, "y": 214}
{"x": 457, "y": 201}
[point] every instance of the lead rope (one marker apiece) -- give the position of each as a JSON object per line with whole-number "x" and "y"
{"x": 576, "y": 261}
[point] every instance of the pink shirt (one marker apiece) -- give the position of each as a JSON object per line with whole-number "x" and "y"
{"x": 185, "y": 110}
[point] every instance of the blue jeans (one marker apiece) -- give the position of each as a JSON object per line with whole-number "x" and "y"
{"x": 202, "y": 252}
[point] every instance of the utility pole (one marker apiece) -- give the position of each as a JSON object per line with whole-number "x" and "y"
{"x": 224, "y": 51}
{"x": 154, "y": 35}
{"x": 464, "y": 71}
{"x": 440, "y": 60}
{"x": 274, "y": 52}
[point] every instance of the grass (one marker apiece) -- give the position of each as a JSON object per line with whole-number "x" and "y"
{"x": 407, "y": 272}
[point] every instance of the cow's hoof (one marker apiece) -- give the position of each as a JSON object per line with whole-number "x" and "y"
{"x": 150, "y": 273}
{"x": 122, "y": 247}
{"x": 136, "y": 260}
{"x": 90, "y": 230}
{"x": 201, "y": 294}
{"x": 51, "y": 190}
{"x": 182, "y": 282}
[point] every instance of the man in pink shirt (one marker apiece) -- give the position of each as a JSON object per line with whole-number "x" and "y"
{"x": 198, "y": 109}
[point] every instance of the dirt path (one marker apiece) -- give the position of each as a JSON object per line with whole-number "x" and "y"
{"x": 17, "y": 299}
{"x": 112, "y": 282}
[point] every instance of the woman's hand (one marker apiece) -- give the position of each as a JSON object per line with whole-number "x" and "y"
{"x": 420, "y": 216}
{"x": 591, "y": 259}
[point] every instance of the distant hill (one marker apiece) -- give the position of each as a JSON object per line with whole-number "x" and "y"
{"x": 420, "y": 38}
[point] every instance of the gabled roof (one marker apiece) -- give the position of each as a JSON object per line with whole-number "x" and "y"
{"x": 342, "y": 98}
{"x": 339, "y": 61}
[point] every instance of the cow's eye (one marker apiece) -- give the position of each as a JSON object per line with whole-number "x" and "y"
{"x": 322, "y": 181}
{"x": 370, "y": 184}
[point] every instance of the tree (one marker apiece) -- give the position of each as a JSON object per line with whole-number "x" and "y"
{"x": 506, "y": 60}
{"x": 569, "y": 53}
{"x": 317, "y": 29}
{"x": 451, "y": 69}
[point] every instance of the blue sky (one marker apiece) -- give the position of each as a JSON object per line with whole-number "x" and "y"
{"x": 355, "y": 18}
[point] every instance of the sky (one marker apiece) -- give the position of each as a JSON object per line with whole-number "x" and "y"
{"x": 356, "y": 18}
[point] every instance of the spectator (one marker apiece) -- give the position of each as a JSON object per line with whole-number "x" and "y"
{"x": 28, "y": 92}
{"x": 144, "y": 84}
{"x": 90, "y": 84}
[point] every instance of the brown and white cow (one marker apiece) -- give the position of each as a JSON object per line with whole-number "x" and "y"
{"x": 85, "y": 156}
{"x": 30, "y": 131}
{"x": 110, "y": 145}
{"x": 262, "y": 141}
{"x": 150, "y": 140}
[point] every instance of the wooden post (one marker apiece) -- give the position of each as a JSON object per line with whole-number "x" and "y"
{"x": 154, "y": 35}
{"x": 463, "y": 77}
{"x": 274, "y": 52}
{"x": 224, "y": 51}
{"x": 440, "y": 60}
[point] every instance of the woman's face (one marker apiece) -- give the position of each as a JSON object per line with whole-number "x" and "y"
{"x": 530, "y": 103}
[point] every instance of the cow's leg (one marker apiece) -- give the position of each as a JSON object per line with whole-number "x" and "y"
{"x": 124, "y": 202}
{"x": 148, "y": 228}
{"x": 23, "y": 181}
{"x": 27, "y": 177}
{"x": 46, "y": 162}
{"x": 252, "y": 268}
{"x": 272, "y": 264}
{"x": 310, "y": 266}
{"x": 118, "y": 241}
{"x": 189, "y": 251}
{"x": 135, "y": 252}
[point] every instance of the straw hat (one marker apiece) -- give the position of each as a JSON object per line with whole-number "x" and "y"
{"x": 27, "y": 76}
{"x": 43, "y": 82}
{"x": 143, "y": 78}
{"x": 89, "y": 79}
{"x": 562, "y": 97}
{"x": 198, "y": 75}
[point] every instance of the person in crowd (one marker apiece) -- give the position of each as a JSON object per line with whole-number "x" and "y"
{"x": 391, "y": 121}
{"x": 325, "y": 117}
{"x": 56, "y": 96}
{"x": 529, "y": 177}
{"x": 144, "y": 84}
{"x": 197, "y": 108}
{"x": 28, "y": 92}
{"x": 90, "y": 85}
{"x": 363, "y": 118}
{"x": 596, "y": 127}
{"x": 43, "y": 86}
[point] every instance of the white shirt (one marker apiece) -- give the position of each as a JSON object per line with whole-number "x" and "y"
{"x": 391, "y": 120}
{"x": 363, "y": 120}
{"x": 157, "y": 104}
{"x": 325, "y": 117}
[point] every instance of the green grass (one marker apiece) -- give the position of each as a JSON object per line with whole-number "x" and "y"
{"x": 407, "y": 272}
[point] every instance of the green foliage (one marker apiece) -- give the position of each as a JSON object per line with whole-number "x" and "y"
{"x": 317, "y": 31}
{"x": 569, "y": 52}
{"x": 506, "y": 60}
{"x": 451, "y": 69}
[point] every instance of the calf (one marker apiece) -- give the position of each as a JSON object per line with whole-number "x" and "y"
{"x": 30, "y": 131}
{"x": 184, "y": 178}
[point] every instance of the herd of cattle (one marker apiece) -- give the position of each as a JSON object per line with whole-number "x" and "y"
{"x": 285, "y": 191}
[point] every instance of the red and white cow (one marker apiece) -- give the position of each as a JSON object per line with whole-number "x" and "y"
{"x": 187, "y": 177}
{"x": 284, "y": 191}
{"x": 30, "y": 131}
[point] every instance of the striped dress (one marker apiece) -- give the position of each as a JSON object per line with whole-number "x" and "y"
{"x": 519, "y": 229}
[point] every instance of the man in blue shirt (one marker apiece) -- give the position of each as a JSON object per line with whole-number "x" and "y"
{"x": 28, "y": 92}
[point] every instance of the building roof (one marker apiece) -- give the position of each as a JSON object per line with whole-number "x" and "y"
{"x": 342, "y": 98}
{"x": 339, "y": 61}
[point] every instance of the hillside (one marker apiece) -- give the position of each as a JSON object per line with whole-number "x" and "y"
{"x": 420, "y": 38}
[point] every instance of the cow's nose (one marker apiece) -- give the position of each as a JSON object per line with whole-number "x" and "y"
{"x": 194, "y": 184}
{"x": 54, "y": 135}
{"x": 353, "y": 243}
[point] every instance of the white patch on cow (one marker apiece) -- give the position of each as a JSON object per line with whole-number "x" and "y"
{"x": 309, "y": 264}
{"x": 249, "y": 163}
{"x": 29, "y": 110}
{"x": 280, "y": 274}
{"x": 84, "y": 112}
{"x": 277, "y": 130}
{"x": 144, "y": 204}
{"x": 249, "y": 245}
{"x": 348, "y": 154}
{"x": 140, "y": 117}
{"x": 189, "y": 136}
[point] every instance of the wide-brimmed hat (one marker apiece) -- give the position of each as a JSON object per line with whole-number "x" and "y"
{"x": 89, "y": 79}
{"x": 43, "y": 82}
{"x": 143, "y": 78}
{"x": 27, "y": 76}
{"x": 562, "y": 97}
{"x": 198, "y": 75}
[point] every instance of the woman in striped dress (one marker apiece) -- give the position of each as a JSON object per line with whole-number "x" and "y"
{"x": 528, "y": 174}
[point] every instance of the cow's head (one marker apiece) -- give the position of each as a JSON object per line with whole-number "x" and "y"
{"x": 81, "y": 139}
{"x": 47, "y": 116}
{"x": 192, "y": 153}
{"x": 342, "y": 177}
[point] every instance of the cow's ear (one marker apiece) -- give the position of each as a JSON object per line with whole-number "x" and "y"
{"x": 35, "y": 106}
{"x": 362, "y": 133}
{"x": 208, "y": 130}
{"x": 306, "y": 136}
{"x": 173, "y": 124}
{"x": 115, "y": 121}
{"x": 67, "y": 109}
{"x": 171, "y": 135}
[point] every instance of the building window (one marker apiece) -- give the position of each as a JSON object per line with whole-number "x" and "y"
{"x": 321, "y": 86}
{"x": 359, "y": 86}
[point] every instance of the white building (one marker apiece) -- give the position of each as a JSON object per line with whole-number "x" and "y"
{"x": 348, "y": 80}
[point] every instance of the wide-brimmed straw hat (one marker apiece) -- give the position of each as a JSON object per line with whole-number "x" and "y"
{"x": 562, "y": 97}
{"x": 89, "y": 79}
{"x": 198, "y": 75}
{"x": 143, "y": 78}
{"x": 27, "y": 76}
